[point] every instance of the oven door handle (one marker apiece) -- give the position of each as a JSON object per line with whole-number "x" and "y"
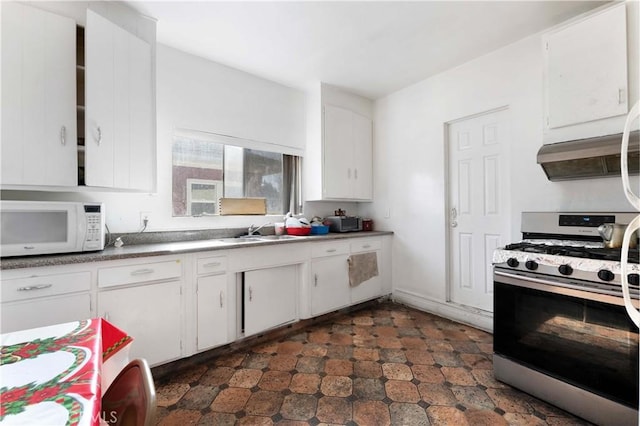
{"x": 558, "y": 288}
{"x": 624, "y": 271}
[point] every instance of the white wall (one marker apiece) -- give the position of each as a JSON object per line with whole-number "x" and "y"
{"x": 197, "y": 94}
{"x": 410, "y": 160}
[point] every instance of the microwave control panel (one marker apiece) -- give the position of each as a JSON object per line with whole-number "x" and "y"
{"x": 94, "y": 232}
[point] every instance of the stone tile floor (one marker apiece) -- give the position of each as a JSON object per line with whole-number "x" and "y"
{"x": 384, "y": 365}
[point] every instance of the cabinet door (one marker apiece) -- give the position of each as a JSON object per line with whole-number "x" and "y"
{"x": 45, "y": 311}
{"x": 587, "y": 69}
{"x": 39, "y": 145}
{"x": 329, "y": 284}
{"x": 212, "y": 311}
{"x": 100, "y": 62}
{"x": 363, "y": 158}
{"x": 151, "y": 315}
{"x": 269, "y": 298}
{"x": 142, "y": 141}
{"x": 120, "y": 148}
{"x": 338, "y": 169}
{"x": 369, "y": 289}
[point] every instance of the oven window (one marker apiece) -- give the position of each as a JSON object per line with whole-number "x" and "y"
{"x": 591, "y": 345}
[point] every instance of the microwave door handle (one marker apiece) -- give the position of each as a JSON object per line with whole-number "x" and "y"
{"x": 634, "y": 314}
{"x": 624, "y": 166}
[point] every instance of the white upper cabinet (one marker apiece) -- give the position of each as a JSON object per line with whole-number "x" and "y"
{"x": 338, "y": 159}
{"x": 119, "y": 117}
{"x": 347, "y": 155}
{"x": 586, "y": 69}
{"x": 39, "y": 145}
{"x": 362, "y": 157}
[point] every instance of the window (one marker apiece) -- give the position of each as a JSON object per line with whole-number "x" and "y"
{"x": 207, "y": 167}
{"x": 202, "y": 196}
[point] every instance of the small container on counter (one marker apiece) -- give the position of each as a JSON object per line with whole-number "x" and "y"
{"x": 367, "y": 224}
{"x": 319, "y": 229}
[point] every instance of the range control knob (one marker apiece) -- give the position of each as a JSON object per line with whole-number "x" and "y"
{"x": 513, "y": 262}
{"x": 531, "y": 265}
{"x": 633, "y": 279}
{"x": 565, "y": 269}
{"x": 605, "y": 275}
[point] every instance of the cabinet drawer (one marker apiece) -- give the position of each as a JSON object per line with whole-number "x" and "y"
{"x": 45, "y": 285}
{"x": 208, "y": 265}
{"x": 330, "y": 249}
{"x": 132, "y": 274}
{"x": 365, "y": 244}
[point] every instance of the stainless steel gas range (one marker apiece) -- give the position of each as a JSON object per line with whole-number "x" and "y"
{"x": 561, "y": 331}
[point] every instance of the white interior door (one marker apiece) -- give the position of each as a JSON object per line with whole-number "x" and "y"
{"x": 478, "y": 205}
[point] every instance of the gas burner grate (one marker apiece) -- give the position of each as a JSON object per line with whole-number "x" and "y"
{"x": 571, "y": 251}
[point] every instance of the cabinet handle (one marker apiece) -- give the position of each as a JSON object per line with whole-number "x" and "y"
{"x": 621, "y": 96}
{"x": 221, "y": 297}
{"x": 355, "y": 172}
{"x": 330, "y": 250}
{"x": 99, "y": 136}
{"x": 211, "y": 264}
{"x": 349, "y": 173}
{"x": 142, "y": 271}
{"x": 250, "y": 294}
{"x": 366, "y": 246}
{"x": 35, "y": 287}
{"x": 63, "y": 135}
{"x": 315, "y": 280}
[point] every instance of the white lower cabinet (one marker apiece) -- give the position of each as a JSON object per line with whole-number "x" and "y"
{"x": 162, "y": 304}
{"x": 270, "y": 297}
{"x": 371, "y": 288}
{"x": 37, "y": 297}
{"x": 148, "y": 313}
{"x": 329, "y": 277}
{"x": 212, "y": 311}
{"x": 212, "y": 302}
{"x": 149, "y": 310}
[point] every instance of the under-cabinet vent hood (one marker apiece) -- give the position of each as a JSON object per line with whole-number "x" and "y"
{"x": 589, "y": 158}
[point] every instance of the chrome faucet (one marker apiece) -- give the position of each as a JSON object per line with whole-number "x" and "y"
{"x": 252, "y": 229}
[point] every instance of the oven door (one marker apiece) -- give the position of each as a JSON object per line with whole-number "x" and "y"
{"x": 579, "y": 337}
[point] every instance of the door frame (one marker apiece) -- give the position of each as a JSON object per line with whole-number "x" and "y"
{"x": 447, "y": 191}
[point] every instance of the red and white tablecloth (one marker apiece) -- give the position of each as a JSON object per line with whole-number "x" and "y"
{"x": 55, "y": 375}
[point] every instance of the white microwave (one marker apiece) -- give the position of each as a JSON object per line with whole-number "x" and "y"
{"x": 46, "y": 227}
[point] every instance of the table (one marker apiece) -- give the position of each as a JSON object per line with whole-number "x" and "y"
{"x": 55, "y": 375}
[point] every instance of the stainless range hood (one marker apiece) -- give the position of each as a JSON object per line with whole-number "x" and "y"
{"x": 588, "y": 158}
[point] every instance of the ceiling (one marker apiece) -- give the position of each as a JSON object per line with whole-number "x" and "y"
{"x": 369, "y": 48}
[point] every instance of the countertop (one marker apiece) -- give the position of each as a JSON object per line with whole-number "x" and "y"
{"x": 167, "y": 248}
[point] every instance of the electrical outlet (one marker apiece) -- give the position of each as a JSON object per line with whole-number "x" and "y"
{"x": 145, "y": 216}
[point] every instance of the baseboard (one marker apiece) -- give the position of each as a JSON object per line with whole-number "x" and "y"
{"x": 464, "y": 314}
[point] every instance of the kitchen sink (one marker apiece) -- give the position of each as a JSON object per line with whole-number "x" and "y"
{"x": 242, "y": 239}
{"x": 276, "y": 237}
